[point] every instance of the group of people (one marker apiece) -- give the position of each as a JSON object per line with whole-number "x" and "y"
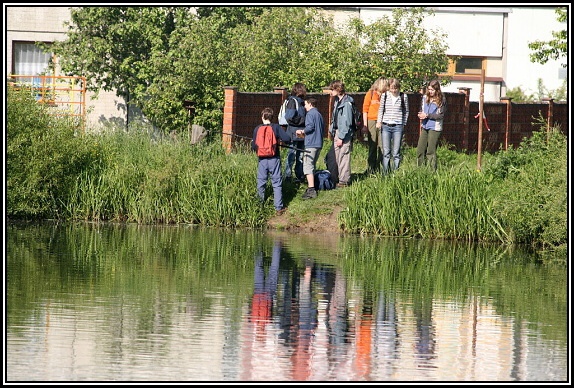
{"x": 385, "y": 112}
{"x": 386, "y": 109}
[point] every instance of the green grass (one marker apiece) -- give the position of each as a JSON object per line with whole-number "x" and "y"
{"x": 53, "y": 171}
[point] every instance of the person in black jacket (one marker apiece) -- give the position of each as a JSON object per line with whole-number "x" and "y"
{"x": 270, "y": 165}
{"x": 295, "y": 116}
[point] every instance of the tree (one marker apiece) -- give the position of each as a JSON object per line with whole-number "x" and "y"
{"x": 555, "y": 48}
{"x": 398, "y": 47}
{"x": 159, "y": 57}
{"x": 112, "y": 46}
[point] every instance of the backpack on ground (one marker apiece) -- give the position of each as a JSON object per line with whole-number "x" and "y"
{"x": 281, "y": 116}
{"x": 323, "y": 180}
{"x": 266, "y": 141}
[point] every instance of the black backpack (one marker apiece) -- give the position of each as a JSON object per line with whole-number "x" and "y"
{"x": 401, "y": 96}
{"x": 357, "y": 123}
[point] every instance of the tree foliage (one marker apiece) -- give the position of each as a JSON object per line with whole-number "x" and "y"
{"x": 159, "y": 57}
{"x": 555, "y": 48}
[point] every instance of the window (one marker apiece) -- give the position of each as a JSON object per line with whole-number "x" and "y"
{"x": 466, "y": 66}
{"x": 29, "y": 59}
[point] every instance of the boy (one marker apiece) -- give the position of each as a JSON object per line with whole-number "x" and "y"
{"x": 313, "y": 134}
{"x": 271, "y": 164}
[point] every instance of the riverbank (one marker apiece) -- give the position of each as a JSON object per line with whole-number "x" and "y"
{"x": 325, "y": 222}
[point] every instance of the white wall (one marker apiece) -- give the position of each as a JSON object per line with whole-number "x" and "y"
{"x": 527, "y": 25}
{"x": 46, "y": 24}
{"x": 479, "y": 31}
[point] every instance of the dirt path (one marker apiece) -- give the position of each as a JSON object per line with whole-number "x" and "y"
{"x": 323, "y": 223}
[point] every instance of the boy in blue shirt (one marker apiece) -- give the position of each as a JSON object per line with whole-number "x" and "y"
{"x": 313, "y": 133}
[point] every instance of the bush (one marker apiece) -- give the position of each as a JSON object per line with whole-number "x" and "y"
{"x": 44, "y": 158}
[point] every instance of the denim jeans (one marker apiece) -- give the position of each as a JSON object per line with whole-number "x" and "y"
{"x": 392, "y": 138}
{"x": 295, "y": 157}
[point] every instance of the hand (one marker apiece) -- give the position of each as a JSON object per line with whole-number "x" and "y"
{"x": 378, "y": 125}
{"x": 422, "y": 115}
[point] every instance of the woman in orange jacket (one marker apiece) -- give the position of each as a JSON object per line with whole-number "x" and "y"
{"x": 370, "y": 110}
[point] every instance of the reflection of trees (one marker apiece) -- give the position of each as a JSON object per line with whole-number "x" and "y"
{"x": 154, "y": 288}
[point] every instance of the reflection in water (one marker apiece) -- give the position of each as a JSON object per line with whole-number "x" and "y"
{"x": 138, "y": 303}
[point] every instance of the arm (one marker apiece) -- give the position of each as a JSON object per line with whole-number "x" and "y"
{"x": 406, "y": 114}
{"x": 439, "y": 115}
{"x": 253, "y": 146}
{"x": 380, "y": 114}
{"x": 366, "y": 105}
{"x": 281, "y": 134}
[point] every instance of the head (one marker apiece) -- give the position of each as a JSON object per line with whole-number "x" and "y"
{"x": 394, "y": 86}
{"x": 337, "y": 88}
{"x": 433, "y": 92}
{"x": 299, "y": 90}
{"x": 380, "y": 85}
{"x": 267, "y": 114}
{"x": 310, "y": 103}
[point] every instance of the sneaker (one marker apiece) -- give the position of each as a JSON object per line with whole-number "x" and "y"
{"x": 309, "y": 194}
{"x": 281, "y": 211}
{"x": 342, "y": 184}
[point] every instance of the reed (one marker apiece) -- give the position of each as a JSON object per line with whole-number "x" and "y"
{"x": 453, "y": 204}
{"x": 141, "y": 177}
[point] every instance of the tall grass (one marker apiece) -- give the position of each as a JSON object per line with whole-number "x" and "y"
{"x": 453, "y": 203}
{"x": 169, "y": 181}
{"x": 138, "y": 176}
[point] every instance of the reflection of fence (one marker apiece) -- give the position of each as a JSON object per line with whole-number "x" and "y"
{"x": 65, "y": 95}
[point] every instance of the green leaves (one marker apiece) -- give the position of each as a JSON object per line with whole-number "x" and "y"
{"x": 157, "y": 57}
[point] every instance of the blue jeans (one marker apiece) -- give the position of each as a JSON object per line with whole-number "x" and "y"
{"x": 295, "y": 157}
{"x": 395, "y": 135}
{"x": 270, "y": 168}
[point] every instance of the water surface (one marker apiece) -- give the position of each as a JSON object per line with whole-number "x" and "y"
{"x": 126, "y": 303}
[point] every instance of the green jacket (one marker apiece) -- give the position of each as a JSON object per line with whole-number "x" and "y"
{"x": 342, "y": 118}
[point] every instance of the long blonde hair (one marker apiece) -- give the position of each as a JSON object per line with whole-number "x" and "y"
{"x": 380, "y": 85}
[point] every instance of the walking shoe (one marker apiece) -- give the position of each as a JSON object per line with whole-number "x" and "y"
{"x": 281, "y": 211}
{"x": 342, "y": 184}
{"x": 310, "y": 193}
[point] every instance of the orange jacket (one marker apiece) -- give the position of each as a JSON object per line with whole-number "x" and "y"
{"x": 371, "y": 104}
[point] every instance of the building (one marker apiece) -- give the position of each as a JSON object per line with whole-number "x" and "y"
{"x": 491, "y": 38}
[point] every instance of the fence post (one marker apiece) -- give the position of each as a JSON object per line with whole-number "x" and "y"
{"x": 550, "y": 115}
{"x": 326, "y": 90}
{"x": 507, "y": 124}
{"x": 465, "y": 118}
{"x": 229, "y": 115}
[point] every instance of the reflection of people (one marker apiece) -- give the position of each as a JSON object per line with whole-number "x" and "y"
{"x": 392, "y": 119}
{"x": 425, "y": 342}
{"x": 432, "y": 112}
{"x": 270, "y": 165}
{"x": 264, "y": 288}
{"x": 364, "y": 339}
{"x": 371, "y": 105}
{"x": 387, "y": 337}
{"x": 306, "y": 325}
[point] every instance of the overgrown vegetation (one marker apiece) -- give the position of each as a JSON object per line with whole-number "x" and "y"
{"x": 54, "y": 172}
